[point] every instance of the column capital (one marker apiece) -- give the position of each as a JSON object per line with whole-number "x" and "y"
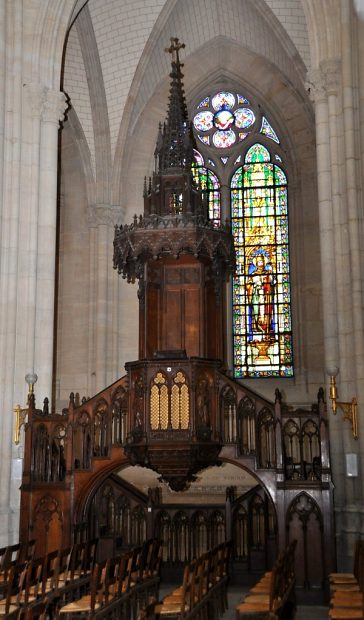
{"x": 331, "y": 72}
{"x": 104, "y": 215}
{"x": 46, "y": 104}
{"x": 316, "y": 86}
{"x": 55, "y": 106}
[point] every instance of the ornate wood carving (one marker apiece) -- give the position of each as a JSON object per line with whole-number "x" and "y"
{"x": 177, "y": 411}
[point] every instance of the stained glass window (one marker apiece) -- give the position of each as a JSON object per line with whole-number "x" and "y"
{"x": 221, "y": 120}
{"x": 261, "y": 288}
{"x": 209, "y": 183}
{"x": 237, "y": 138}
{"x": 267, "y": 130}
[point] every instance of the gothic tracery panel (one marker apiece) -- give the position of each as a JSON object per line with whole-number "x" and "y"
{"x": 267, "y": 439}
{"x": 304, "y": 523}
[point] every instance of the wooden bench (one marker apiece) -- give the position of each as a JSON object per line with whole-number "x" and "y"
{"x": 202, "y": 594}
{"x": 274, "y": 595}
{"x": 118, "y": 586}
{"x": 346, "y": 589}
{"x": 70, "y": 582}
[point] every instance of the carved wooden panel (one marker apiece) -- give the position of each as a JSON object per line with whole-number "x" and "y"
{"x": 47, "y": 525}
{"x": 305, "y": 524}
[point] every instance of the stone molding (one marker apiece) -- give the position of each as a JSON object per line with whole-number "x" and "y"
{"x": 316, "y": 86}
{"x": 46, "y": 104}
{"x": 331, "y": 72}
{"x": 324, "y": 80}
{"x": 104, "y": 215}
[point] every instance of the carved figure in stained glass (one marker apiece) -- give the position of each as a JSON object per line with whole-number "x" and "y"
{"x": 260, "y": 292}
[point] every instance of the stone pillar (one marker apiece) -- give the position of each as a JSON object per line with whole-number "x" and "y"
{"x": 28, "y": 161}
{"x": 341, "y": 283}
{"x": 354, "y": 385}
{"x": 326, "y": 155}
{"x": 103, "y": 367}
{"x": 11, "y": 15}
{"x": 317, "y": 90}
{"x": 52, "y": 112}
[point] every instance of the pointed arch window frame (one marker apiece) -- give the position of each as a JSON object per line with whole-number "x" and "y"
{"x": 262, "y": 317}
{"x": 275, "y": 358}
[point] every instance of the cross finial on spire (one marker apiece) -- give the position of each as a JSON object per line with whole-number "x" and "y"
{"x": 174, "y": 49}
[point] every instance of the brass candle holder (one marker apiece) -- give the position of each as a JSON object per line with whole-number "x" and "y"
{"x": 349, "y": 409}
{"x": 21, "y": 412}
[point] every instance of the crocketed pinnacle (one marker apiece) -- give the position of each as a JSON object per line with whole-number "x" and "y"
{"x": 174, "y": 148}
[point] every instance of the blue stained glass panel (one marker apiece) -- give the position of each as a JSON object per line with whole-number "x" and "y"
{"x": 204, "y": 139}
{"x": 242, "y": 99}
{"x": 204, "y": 103}
{"x": 267, "y": 130}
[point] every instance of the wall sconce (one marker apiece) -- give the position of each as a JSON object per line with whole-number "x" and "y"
{"x": 349, "y": 409}
{"x": 20, "y": 412}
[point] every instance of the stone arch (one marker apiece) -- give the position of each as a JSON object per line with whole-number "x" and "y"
{"x": 99, "y": 108}
{"x": 78, "y": 137}
{"x": 50, "y": 30}
{"x": 284, "y": 104}
{"x": 323, "y": 26}
{"x": 154, "y": 63}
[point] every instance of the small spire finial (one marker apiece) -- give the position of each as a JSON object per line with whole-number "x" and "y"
{"x": 174, "y": 49}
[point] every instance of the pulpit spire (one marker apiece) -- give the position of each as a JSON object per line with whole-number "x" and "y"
{"x": 182, "y": 260}
{"x": 175, "y": 143}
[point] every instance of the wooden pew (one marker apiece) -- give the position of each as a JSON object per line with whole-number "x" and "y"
{"x": 346, "y": 589}
{"x": 274, "y": 594}
{"x": 202, "y": 594}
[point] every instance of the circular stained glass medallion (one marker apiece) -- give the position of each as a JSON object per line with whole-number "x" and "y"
{"x": 223, "y": 100}
{"x": 223, "y": 119}
{"x": 230, "y": 114}
{"x": 224, "y": 139}
{"x": 203, "y": 121}
{"x": 244, "y": 117}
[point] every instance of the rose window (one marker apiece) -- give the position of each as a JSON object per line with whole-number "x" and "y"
{"x": 226, "y": 119}
{"x": 226, "y": 122}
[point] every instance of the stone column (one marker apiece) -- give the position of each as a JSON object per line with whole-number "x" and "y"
{"x": 325, "y": 148}
{"x": 331, "y": 71}
{"x": 317, "y": 90}
{"x": 341, "y": 283}
{"x": 102, "y": 365}
{"x": 53, "y": 109}
{"x": 354, "y": 385}
{"x": 11, "y": 15}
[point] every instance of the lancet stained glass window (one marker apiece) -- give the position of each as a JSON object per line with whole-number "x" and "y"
{"x": 234, "y": 131}
{"x": 261, "y": 287}
{"x": 209, "y": 183}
